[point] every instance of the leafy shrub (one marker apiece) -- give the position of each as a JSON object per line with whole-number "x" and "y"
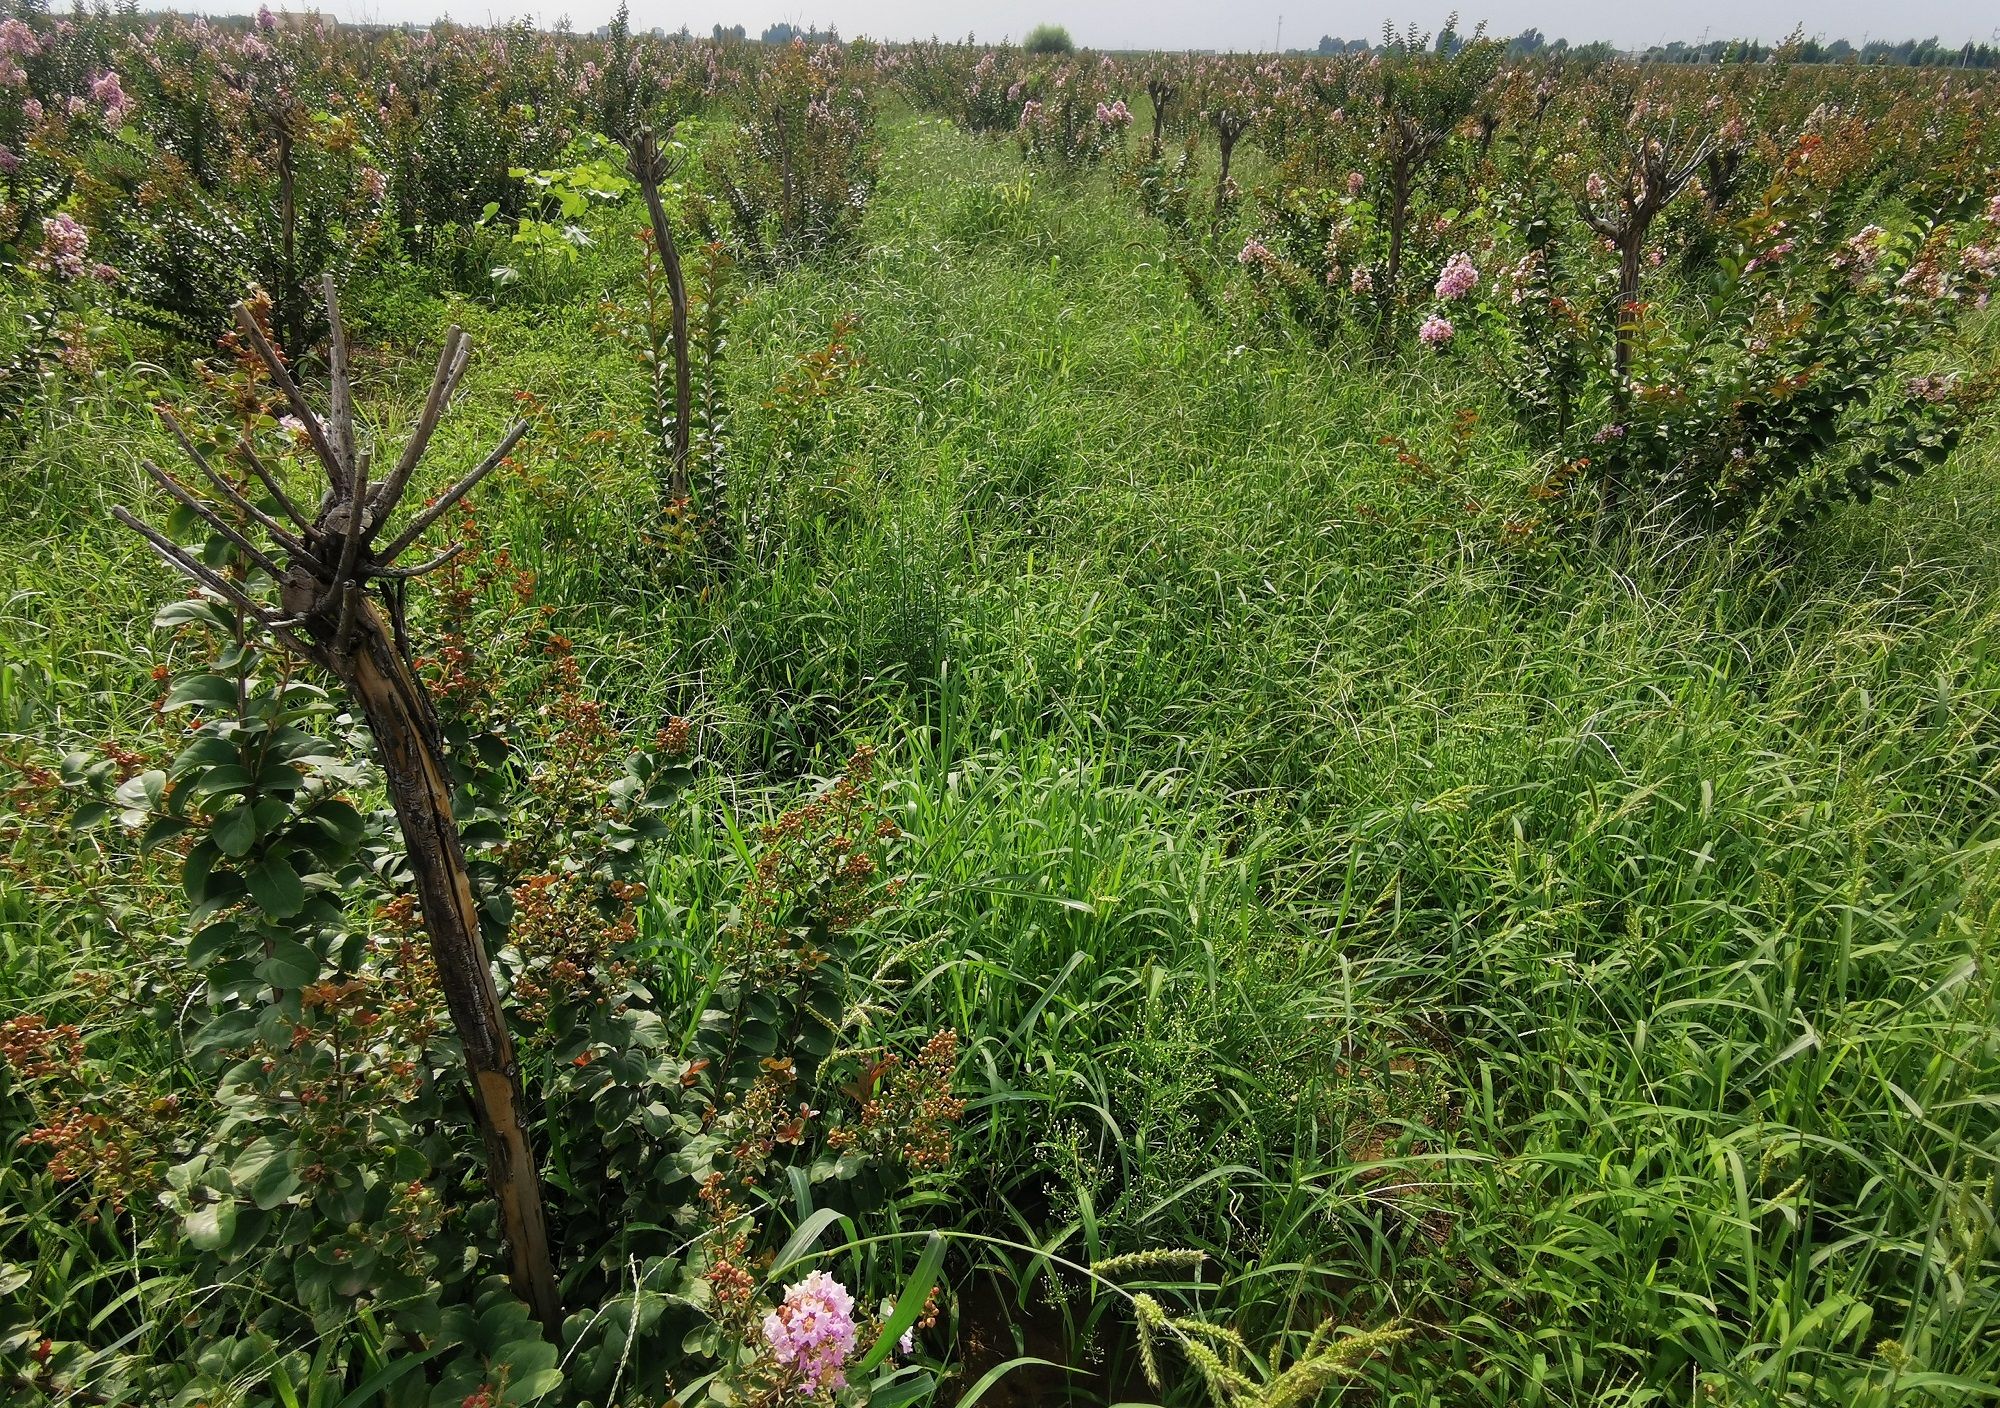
{"x": 1072, "y": 118}
{"x": 798, "y": 175}
{"x": 1048, "y": 39}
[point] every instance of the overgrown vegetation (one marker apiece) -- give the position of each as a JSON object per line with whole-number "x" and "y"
{"x": 1063, "y": 801}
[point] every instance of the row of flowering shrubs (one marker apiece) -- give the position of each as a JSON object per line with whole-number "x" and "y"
{"x": 159, "y": 166}
{"x": 1711, "y": 292}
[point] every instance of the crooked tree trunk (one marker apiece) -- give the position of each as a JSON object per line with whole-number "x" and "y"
{"x": 646, "y": 165}
{"x": 406, "y": 739}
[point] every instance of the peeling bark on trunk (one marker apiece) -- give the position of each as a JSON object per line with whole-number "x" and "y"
{"x": 406, "y": 739}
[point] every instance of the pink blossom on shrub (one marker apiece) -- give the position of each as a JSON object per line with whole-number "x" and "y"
{"x": 266, "y": 21}
{"x": 17, "y": 41}
{"x": 1993, "y": 209}
{"x": 1362, "y": 281}
{"x": 1865, "y": 247}
{"x": 9, "y": 163}
{"x": 1594, "y": 187}
{"x": 812, "y": 1333}
{"x": 1458, "y": 278}
{"x": 374, "y": 184}
{"x": 1354, "y": 183}
{"x": 1253, "y": 252}
{"x": 1436, "y": 331}
{"x": 1117, "y": 115}
{"x": 64, "y": 244}
{"x": 109, "y": 94}
{"x": 1770, "y": 256}
{"x": 32, "y": 110}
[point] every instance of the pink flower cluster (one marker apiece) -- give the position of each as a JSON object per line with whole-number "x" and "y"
{"x": 1117, "y": 115}
{"x": 812, "y": 1333}
{"x": 1362, "y": 281}
{"x": 64, "y": 245}
{"x": 1458, "y": 278}
{"x": 1594, "y": 188}
{"x": 1254, "y": 251}
{"x": 1436, "y": 331}
{"x": 17, "y": 42}
{"x": 1354, "y": 183}
{"x": 1860, "y": 252}
{"x": 1993, "y": 209}
{"x": 109, "y": 94}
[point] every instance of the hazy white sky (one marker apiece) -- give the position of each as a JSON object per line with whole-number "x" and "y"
{"x": 1240, "y": 24}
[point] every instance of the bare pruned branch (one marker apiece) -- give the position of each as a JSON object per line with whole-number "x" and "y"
{"x": 336, "y": 470}
{"x": 181, "y": 561}
{"x": 454, "y": 494}
{"x": 450, "y": 367}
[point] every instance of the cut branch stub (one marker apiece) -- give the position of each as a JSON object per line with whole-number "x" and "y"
{"x": 326, "y": 614}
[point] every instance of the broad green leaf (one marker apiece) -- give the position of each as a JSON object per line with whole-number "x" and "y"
{"x": 205, "y": 691}
{"x": 291, "y": 965}
{"x": 276, "y": 887}
{"x": 909, "y": 1305}
{"x": 236, "y": 831}
{"x": 212, "y": 1226}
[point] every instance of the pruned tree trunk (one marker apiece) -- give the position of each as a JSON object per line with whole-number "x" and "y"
{"x": 406, "y": 736}
{"x": 649, "y": 168}
{"x": 327, "y": 615}
{"x": 1229, "y": 129}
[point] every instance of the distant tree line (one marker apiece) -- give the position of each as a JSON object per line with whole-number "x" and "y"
{"x": 1925, "y": 53}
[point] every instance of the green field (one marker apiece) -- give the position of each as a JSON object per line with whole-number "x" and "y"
{"x": 1584, "y": 960}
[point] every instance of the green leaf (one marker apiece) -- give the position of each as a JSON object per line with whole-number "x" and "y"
{"x": 266, "y": 1170}
{"x": 205, "y": 691}
{"x": 291, "y": 965}
{"x": 87, "y": 815}
{"x": 802, "y": 1240}
{"x": 909, "y": 1305}
{"x": 207, "y": 750}
{"x": 1000, "y": 1371}
{"x": 276, "y": 887}
{"x": 364, "y": 1393}
{"x": 214, "y": 941}
{"x": 236, "y": 831}
{"x": 890, "y": 1392}
{"x": 160, "y": 830}
{"x": 340, "y": 821}
{"x": 212, "y": 1226}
